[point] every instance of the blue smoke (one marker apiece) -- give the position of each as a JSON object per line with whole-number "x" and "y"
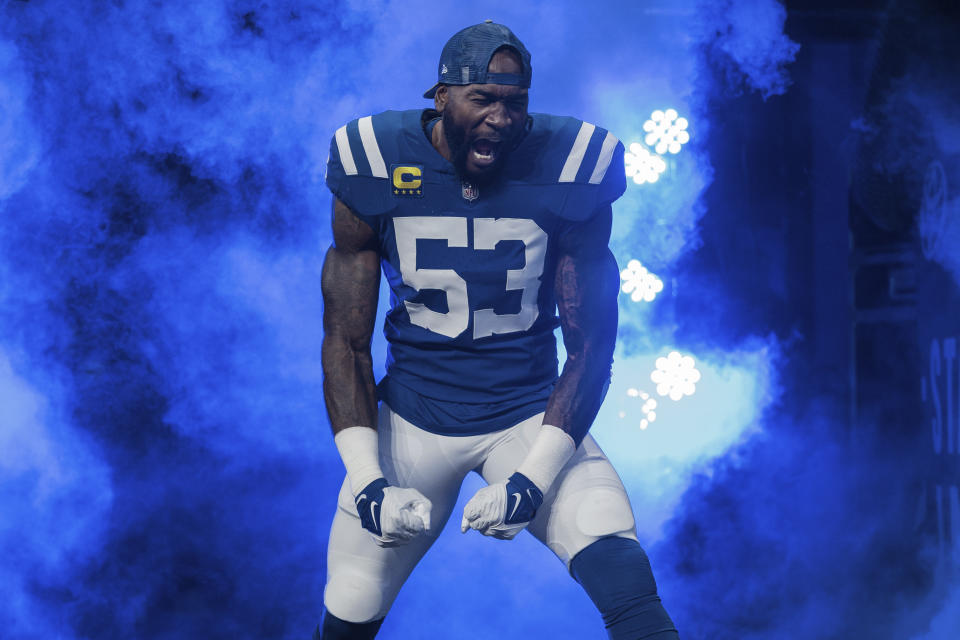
{"x": 19, "y": 149}
{"x": 166, "y": 466}
{"x": 46, "y": 468}
{"x": 746, "y": 40}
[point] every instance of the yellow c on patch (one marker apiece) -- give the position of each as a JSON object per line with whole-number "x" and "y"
{"x": 407, "y": 177}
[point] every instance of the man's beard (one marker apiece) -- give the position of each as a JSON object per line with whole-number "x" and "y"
{"x": 459, "y": 149}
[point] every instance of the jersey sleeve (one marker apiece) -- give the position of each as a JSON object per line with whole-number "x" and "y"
{"x": 356, "y": 170}
{"x": 587, "y": 167}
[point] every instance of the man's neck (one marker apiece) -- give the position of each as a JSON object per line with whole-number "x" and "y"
{"x": 439, "y": 141}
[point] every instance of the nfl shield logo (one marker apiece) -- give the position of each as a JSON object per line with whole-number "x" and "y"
{"x": 469, "y": 191}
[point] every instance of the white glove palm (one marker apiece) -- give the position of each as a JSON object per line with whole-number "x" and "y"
{"x": 405, "y": 514}
{"x": 502, "y": 510}
{"x": 393, "y": 515}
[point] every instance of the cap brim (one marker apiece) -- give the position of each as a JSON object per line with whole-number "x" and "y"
{"x": 432, "y": 91}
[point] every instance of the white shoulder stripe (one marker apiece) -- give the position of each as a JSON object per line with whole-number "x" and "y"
{"x": 572, "y": 165}
{"x": 371, "y": 147}
{"x": 606, "y": 155}
{"x": 346, "y": 156}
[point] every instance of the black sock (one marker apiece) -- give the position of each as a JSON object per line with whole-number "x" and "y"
{"x": 616, "y": 574}
{"x": 336, "y": 629}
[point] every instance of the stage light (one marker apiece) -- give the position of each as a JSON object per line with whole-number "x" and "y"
{"x": 647, "y": 409}
{"x": 666, "y": 131}
{"x": 643, "y": 166}
{"x": 676, "y": 376}
{"x": 639, "y": 282}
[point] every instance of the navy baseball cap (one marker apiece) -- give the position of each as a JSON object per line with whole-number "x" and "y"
{"x": 466, "y": 56}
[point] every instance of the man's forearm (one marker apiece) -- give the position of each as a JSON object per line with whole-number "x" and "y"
{"x": 350, "y": 283}
{"x": 349, "y": 389}
{"x": 587, "y": 297}
{"x": 588, "y": 315}
{"x": 576, "y": 398}
{"x": 350, "y": 393}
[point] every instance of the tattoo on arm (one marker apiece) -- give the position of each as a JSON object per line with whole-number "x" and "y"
{"x": 350, "y": 283}
{"x": 586, "y": 286}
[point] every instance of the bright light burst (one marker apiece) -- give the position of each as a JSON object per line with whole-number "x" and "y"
{"x": 666, "y": 131}
{"x": 676, "y": 376}
{"x": 649, "y": 404}
{"x": 643, "y": 166}
{"x": 643, "y": 284}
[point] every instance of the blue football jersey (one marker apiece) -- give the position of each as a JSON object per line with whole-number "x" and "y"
{"x": 470, "y": 328}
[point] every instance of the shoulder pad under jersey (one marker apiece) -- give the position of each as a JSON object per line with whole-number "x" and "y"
{"x": 361, "y": 153}
{"x": 580, "y": 165}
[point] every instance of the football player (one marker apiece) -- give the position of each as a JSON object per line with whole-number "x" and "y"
{"x": 486, "y": 221}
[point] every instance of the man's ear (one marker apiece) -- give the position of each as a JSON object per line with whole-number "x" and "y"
{"x": 440, "y": 98}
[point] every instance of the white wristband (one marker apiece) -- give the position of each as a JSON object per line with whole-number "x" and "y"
{"x": 360, "y": 454}
{"x": 549, "y": 453}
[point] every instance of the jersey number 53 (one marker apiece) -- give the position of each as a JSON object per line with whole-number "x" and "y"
{"x": 487, "y": 232}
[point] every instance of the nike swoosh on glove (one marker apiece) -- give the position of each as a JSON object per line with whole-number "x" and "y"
{"x": 503, "y": 509}
{"x": 393, "y": 515}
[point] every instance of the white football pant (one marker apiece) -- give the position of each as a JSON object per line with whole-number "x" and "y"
{"x": 586, "y": 502}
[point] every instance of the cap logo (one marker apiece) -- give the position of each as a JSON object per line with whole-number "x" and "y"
{"x": 465, "y": 75}
{"x": 443, "y": 69}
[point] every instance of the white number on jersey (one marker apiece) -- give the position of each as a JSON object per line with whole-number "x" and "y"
{"x": 487, "y": 232}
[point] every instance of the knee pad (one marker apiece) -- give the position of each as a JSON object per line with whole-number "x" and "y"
{"x": 336, "y": 629}
{"x": 606, "y": 513}
{"x": 353, "y": 597}
{"x": 598, "y": 513}
{"x": 616, "y": 574}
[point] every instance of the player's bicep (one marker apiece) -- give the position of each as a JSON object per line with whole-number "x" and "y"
{"x": 350, "y": 233}
{"x": 587, "y": 283}
{"x": 351, "y": 278}
{"x": 587, "y": 238}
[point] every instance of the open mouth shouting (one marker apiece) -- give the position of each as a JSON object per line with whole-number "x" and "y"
{"x": 484, "y": 153}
